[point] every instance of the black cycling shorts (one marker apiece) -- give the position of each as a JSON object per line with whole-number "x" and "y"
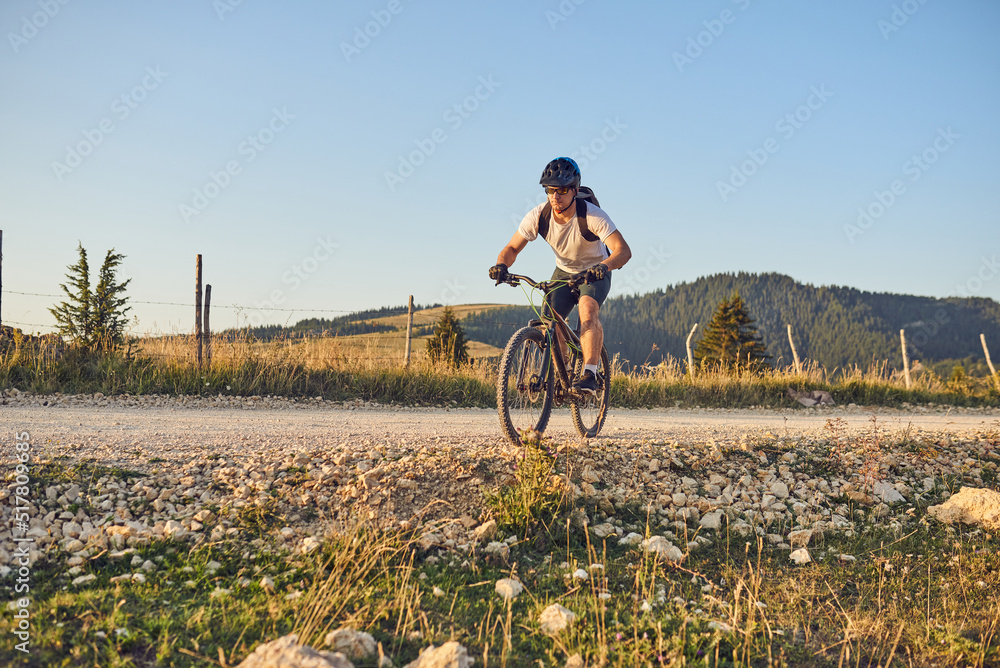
{"x": 562, "y": 300}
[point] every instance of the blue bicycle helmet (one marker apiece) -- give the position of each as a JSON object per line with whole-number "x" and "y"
{"x": 561, "y": 173}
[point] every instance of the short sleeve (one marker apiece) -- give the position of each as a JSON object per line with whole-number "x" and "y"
{"x": 599, "y": 222}
{"x": 529, "y": 224}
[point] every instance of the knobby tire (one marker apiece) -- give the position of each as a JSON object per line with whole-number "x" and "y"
{"x": 521, "y": 409}
{"x": 588, "y": 417}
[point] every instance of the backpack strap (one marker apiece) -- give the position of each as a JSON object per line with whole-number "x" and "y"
{"x": 543, "y": 220}
{"x": 581, "y": 221}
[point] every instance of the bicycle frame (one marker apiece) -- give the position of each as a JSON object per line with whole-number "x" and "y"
{"x": 558, "y": 334}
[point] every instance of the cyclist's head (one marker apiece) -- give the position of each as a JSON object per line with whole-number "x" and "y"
{"x": 561, "y": 173}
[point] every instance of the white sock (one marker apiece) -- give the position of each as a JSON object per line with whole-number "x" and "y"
{"x": 592, "y": 368}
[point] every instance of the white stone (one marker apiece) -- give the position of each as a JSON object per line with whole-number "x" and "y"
{"x": 711, "y": 520}
{"x": 800, "y": 556}
{"x": 174, "y": 529}
{"x": 800, "y": 538}
{"x": 631, "y": 539}
{"x": 286, "y": 651}
{"x": 663, "y": 549}
{"x": 353, "y": 644}
{"x": 555, "y": 618}
{"x": 449, "y": 655}
{"x": 970, "y": 506}
{"x": 887, "y": 493}
{"x": 604, "y": 530}
{"x": 498, "y": 547}
{"x": 310, "y": 544}
{"x": 84, "y": 579}
{"x": 485, "y": 531}
{"x": 508, "y": 588}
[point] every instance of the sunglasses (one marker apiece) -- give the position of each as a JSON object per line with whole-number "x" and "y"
{"x": 557, "y": 191}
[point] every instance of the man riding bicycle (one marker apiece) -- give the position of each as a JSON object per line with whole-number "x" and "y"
{"x": 574, "y": 254}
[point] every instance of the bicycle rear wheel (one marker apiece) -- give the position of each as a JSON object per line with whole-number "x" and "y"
{"x": 524, "y": 397}
{"x": 589, "y": 413}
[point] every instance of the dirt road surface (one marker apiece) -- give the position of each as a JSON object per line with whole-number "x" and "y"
{"x": 131, "y": 436}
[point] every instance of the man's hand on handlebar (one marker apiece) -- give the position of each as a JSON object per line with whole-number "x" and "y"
{"x": 499, "y": 273}
{"x": 597, "y": 273}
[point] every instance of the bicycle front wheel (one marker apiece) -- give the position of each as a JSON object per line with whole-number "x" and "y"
{"x": 589, "y": 413}
{"x": 524, "y": 396}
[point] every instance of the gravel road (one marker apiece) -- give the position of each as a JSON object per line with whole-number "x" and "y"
{"x": 130, "y": 431}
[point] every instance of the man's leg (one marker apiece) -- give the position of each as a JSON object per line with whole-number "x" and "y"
{"x": 591, "y": 331}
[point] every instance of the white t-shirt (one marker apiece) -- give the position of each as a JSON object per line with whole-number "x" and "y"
{"x": 573, "y": 252}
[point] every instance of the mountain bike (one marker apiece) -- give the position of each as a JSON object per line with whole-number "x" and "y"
{"x": 539, "y": 366}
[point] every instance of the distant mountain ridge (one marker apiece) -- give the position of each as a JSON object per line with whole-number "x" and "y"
{"x": 834, "y": 326}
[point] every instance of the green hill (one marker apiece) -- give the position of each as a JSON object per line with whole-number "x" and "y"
{"x": 834, "y": 326}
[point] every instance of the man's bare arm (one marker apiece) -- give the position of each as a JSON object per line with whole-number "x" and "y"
{"x": 620, "y": 252}
{"x": 511, "y": 250}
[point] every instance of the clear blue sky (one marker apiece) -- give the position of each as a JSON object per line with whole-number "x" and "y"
{"x": 338, "y": 170}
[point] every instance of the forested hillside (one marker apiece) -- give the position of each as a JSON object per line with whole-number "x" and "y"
{"x": 835, "y": 326}
{"x": 345, "y": 325}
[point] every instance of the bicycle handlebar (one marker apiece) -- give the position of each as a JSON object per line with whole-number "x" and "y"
{"x": 545, "y": 286}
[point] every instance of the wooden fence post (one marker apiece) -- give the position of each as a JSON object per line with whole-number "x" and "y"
{"x": 197, "y": 309}
{"x": 690, "y": 356}
{"x": 906, "y": 358}
{"x": 409, "y": 331}
{"x": 208, "y": 330}
{"x": 795, "y": 354}
{"x": 989, "y": 362}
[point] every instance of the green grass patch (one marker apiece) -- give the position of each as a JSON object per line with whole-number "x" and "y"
{"x": 913, "y": 595}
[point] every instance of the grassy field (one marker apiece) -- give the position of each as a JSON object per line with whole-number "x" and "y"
{"x": 899, "y": 591}
{"x": 370, "y": 367}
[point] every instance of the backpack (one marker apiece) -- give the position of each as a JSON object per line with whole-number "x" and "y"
{"x": 584, "y": 195}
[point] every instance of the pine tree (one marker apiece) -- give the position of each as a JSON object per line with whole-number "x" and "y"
{"x": 73, "y": 316}
{"x": 448, "y": 343}
{"x": 95, "y": 318}
{"x": 108, "y": 308}
{"x": 731, "y": 339}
